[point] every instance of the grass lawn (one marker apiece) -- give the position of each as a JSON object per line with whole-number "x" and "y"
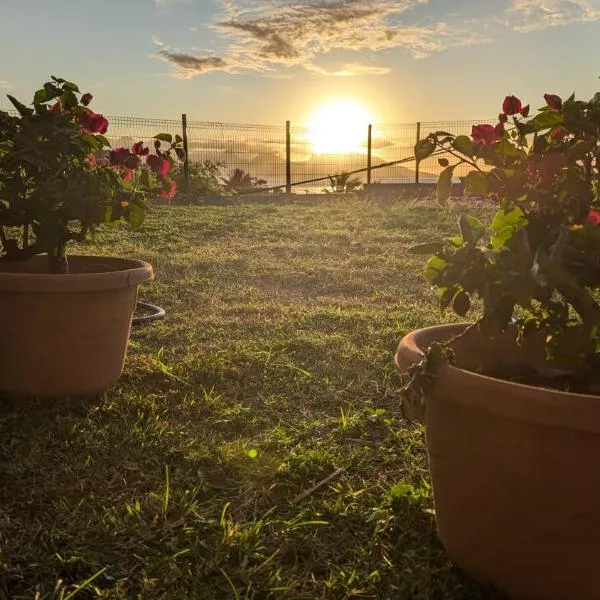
{"x": 192, "y": 477}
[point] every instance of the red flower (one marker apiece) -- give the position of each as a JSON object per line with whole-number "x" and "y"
{"x": 56, "y": 107}
{"x": 593, "y": 218}
{"x": 161, "y": 166}
{"x": 127, "y": 175}
{"x": 484, "y": 134}
{"x": 554, "y": 102}
{"x": 525, "y": 111}
{"x": 511, "y": 105}
{"x": 499, "y": 130}
{"x": 502, "y": 117}
{"x": 86, "y": 99}
{"x": 558, "y": 133}
{"x": 118, "y": 156}
{"x": 139, "y": 149}
{"x": 91, "y": 122}
{"x": 169, "y": 192}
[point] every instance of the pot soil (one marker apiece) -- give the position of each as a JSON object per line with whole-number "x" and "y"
{"x": 66, "y": 334}
{"x": 514, "y": 469}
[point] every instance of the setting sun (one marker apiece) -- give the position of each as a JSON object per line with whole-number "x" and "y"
{"x": 338, "y": 126}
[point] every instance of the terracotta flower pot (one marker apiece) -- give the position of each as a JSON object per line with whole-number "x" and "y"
{"x": 66, "y": 334}
{"x": 514, "y": 470}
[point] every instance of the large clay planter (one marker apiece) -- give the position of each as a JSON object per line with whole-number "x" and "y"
{"x": 66, "y": 334}
{"x": 515, "y": 471}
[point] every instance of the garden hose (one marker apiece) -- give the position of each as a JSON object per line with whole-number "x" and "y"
{"x": 156, "y": 313}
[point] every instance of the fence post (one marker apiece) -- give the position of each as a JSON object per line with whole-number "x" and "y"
{"x": 369, "y": 146}
{"x": 186, "y": 164}
{"x": 288, "y": 159}
{"x": 417, "y": 162}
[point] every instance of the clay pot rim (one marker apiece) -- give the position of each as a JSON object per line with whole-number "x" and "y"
{"x": 116, "y": 273}
{"x": 529, "y": 403}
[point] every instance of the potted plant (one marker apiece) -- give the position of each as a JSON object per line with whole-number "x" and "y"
{"x": 65, "y": 322}
{"x": 510, "y": 402}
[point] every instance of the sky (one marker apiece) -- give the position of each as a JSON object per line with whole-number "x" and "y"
{"x": 268, "y": 61}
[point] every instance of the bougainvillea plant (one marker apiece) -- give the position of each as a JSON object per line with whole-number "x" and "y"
{"x": 537, "y": 263}
{"x": 59, "y": 179}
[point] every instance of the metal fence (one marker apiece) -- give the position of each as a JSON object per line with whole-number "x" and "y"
{"x": 290, "y": 157}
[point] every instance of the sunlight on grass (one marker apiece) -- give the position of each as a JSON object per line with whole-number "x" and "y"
{"x": 200, "y": 474}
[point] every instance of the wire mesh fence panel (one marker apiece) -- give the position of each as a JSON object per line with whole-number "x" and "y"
{"x": 391, "y": 143}
{"x": 315, "y": 159}
{"x": 429, "y": 169}
{"x": 126, "y": 131}
{"x": 258, "y": 150}
{"x": 325, "y": 158}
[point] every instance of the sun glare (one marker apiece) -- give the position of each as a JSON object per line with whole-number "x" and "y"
{"x": 339, "y": 126}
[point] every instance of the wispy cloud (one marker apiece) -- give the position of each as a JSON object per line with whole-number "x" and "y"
{"x": 265, "y": 34}
{"x": 5, "y": 85}
{"x": 530, "y": 15}
{"x": 165, "y": 3}
{"x": 350, "y": 70}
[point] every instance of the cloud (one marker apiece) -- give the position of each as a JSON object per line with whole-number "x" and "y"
{"x": 5, "y": 85}
{"x": 530, "y": 15}
{"x": 262, "y": 35}
{"x": 351, "y": 70}
{"x": 188, "y": 65}
{"x": 166, "y": 3}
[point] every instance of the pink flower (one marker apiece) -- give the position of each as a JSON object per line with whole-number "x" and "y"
{"x": 118, "y": 156}
{"x": 127, "y": 175}
{"x": 91, "y": 122}
{"x": 139, "y": 149}
{"x": 169, "y": 192}
{"x": 161, "y": 166}
{"x": 56, "y": 107}
{"x": 86, "y": 99}
{"x": 484, "y": 134}
{"x": 593, "y": 218}
{"x": 92, "y": 160}
{"x": 511, "y": 105}
{"x": 558, "y": 133}
{"x": 554, "y": 102}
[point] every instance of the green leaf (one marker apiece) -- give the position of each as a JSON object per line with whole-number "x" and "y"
{"x": 446, "y": 296}
{"x": 164, "y": 137}
{"x": 461, "y": 303}
{"x": 434, "y": 268}
{"x": 40, "y": 97}
{"x": 21, "y": 108}
{"x": 427, "y": 248}
{"x": 68, "y": 85}
{"x": 505, "y": 225}
{"x": 145, "y": 178}
{"x": 424, "y": 148}
{"x": 477, "y": 182}
{"x": 464, "y": 145}
{"x": 508, "y": 149}
{"x": 103, "y": 140}
{"x": 136, "y": 215}
{"x": 178, "y": 139}
{"x": 513, "y": 218}
{"x": 180, "y": 153}
{"x": 444, "y": 185}
{"x": 471, "y": 229}
{"x": 546, "y": 120}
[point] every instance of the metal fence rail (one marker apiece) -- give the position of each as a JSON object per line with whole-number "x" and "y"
{"x": 288, "y": 157}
